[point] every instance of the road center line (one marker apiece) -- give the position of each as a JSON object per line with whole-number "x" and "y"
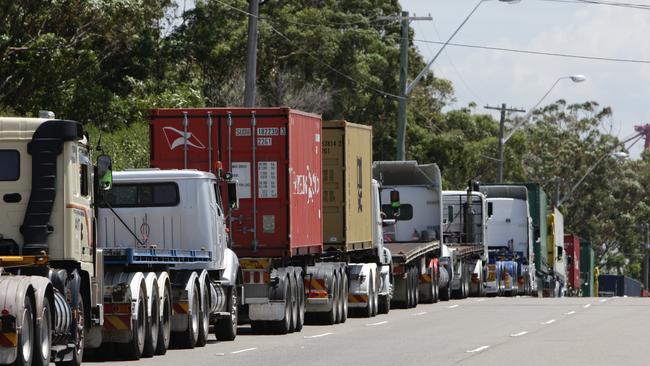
{"x": 453, "y": 306}
{"x": 571, "y": 312}
{"x": 378, "y": 323}
{"x": 418, "y": 314}
{"x": 586, "y": 306}
{"x": 519, "y": 334}
{"x": 549, "y": 322}
{"x": 318, "y": 335}
{"x": 243, "y": 350}
{"x": 482, "y": 348}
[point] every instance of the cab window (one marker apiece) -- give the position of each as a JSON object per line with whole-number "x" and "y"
{"x": 143, "y": 195}
{"x": 9, "y": 165}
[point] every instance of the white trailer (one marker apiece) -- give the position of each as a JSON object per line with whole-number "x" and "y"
{"x": 165, "y": 245}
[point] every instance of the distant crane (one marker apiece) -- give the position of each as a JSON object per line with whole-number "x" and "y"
{"x": 645, "y": 131}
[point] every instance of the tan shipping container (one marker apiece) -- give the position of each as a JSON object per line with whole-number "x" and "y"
{"x": 347, "y": 184}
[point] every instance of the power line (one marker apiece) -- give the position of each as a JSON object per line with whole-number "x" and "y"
{"x": 600, "y": 2}
{"x": 312, "y": 55}
{"x": 542, "y": 53}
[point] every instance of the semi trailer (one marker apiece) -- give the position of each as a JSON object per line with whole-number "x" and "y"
{"x": 572, "y": 253}
{"x": 464, "y": 225}
{"x": 556, "y": 254}
{"x": 300, "y": 257}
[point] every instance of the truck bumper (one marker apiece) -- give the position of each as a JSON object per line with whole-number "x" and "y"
{"x": 272, "y": 310}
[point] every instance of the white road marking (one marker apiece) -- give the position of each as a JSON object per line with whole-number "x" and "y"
{"x": 603, "y": 300}
{"x": 418, "y": 314}
{"x": 318, "y": 335}
{"x": 243, "y": 350}
{"x": 482, "y": 348}
{"x": 548, "y": 322}
{"x": 480, "y": 300}
{"x": 519, "y": 334}
{"x": 586, "y": 306}
{"x": 453, "y": 306}
{"x": 220, "y": 354}
{"x": 378, "y": 323}
{"x": 571, "y": 312}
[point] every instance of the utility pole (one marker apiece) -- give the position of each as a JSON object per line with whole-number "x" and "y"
{"x": 502, "y": 142}
{"x": 646, "y": 257}
{"x": 251, "y": 53}
{"x": 404, "y": 89}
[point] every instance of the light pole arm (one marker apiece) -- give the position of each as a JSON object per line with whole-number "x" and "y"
{"x": 530, "y": 112}
{"x": 410, "y": 86}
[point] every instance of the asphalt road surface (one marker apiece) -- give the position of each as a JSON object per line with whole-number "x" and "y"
{"x": 490, "y": 331}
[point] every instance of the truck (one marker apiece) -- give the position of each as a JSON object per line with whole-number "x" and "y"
{"x": 168, "y": 273}
{"x": 572, "y": 253}
{"x": 292, "y": 273}
{"x": 587, "y": 269}
{"x": 618, "y": 285}
{"x": 511, "y": 269}
{"x": 423, "y": 266}
{"x": 50, "y": 272}
{"x": 556, "y": 257}
{"x": 464, "y": 225}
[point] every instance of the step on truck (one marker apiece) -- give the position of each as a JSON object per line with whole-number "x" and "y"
{"x": 509, "y": 236}
{"x": 50, "y": 272}
{"x": 411, "y": 195}
{"x": 464, "y": 225}
{"x": 168, "y": 273}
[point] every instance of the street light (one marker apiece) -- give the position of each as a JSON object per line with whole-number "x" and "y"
{"x": 405, "y": 90}
{"x": 502, "y": 141}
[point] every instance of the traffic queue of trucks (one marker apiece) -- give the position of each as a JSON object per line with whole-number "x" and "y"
{"x": 264, "y": 216}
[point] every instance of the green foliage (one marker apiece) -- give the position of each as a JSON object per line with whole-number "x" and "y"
{"x": 128, "y": 146}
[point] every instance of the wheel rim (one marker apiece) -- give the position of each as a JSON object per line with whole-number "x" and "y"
{"x": 344, "y": 297}
{"x": 45, "y": 333}
{"x": 81, "y": 323}
{"x": 233, "y": 308}
{"x": 165, "y": 324}
{"x": 26, "y": 335}
{"x": 154, "y": 317}
{"x": 335, "y": 298}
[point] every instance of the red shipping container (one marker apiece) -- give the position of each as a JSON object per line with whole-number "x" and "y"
{"x": 572, "y": 249}
{"x": 275, "y": 155}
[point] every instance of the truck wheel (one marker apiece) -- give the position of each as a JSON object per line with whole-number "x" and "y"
{"x": 281, "y": 292}
{"x": 188, "y": 337}
{"x": 226, "y": 328}
{"x": 164, "y": 328}
{"x": 445, "y": 293}
{"x": 133, "y": 350}
{"x": 429, "y": 293}
{"x": 343, "y": 298}
{"x": 25, "y": 346}
{"x": 78, "y": 328}
{"x": 293, "y": 288}
{"x": 367, "y": 311}
{"x": 416, "y": 286}
{"x": 153, "y": 324}
{"x": 43, "y": 336}
{"x": 408, "y": 284}
{"x": 331, "y": 316}
{"x": 301, "y": 301}
{"x": 436, "y": 290}
{"x": 204, "y": 318}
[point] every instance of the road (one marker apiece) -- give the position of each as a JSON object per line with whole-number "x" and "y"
{"x": 529, "y": 331}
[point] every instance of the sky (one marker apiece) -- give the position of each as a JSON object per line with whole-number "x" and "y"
{"x": 489, "y": 77}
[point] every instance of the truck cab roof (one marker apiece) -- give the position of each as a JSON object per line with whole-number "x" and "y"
{"x": 148, "y": 175}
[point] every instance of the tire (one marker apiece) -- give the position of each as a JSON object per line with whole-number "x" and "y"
{"x": 135, "y": 347}
{"x": 25, "y": 345}
{"x": 436, "y": 289}
{"x": 293, "y": 289}
{"x": 445, "y": 292}
{"x": 343, "y": 298}
{"x": 43, "y": 336}
{"x": 225, "y": 328}
{"x": 164, "y": 327}
{"x": 331, "y": 316}
{"x": 409, "y": 291}
{"x": 429, "y": 294}
{"x": 204, "y": 318}
{"x": 78, "y": 328}
{"x": 189, "y": 337}
{"x": 301, "y": 302}
{"x": 282, "y": 292}
{"x": 153, "y": 326}
{"x": 416, "y": 286}
{"x": 368, "y": 310}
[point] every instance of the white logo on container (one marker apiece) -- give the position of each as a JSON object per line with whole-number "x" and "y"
{"x": 178, "y": 138}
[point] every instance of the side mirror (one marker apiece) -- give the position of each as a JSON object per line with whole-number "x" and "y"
{"x": 105, "y": 172}
{"x": 233, "y": 197}
{"x": 394, "y": 202}
{"x": 490, "y": 209}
